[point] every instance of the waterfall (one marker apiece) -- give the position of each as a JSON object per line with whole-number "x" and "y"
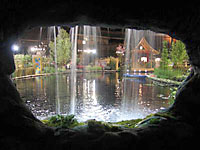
{"x": 58, "y": 109}
{"x": 91, "y": 40}
{"x": 74, "y": 34}
{"x": 137, "y": 43}
{"x": 40, "y": 36}
{"x": 138, "y": 55}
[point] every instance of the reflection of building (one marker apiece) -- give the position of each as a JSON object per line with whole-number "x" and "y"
{"x": 143, "y": 56}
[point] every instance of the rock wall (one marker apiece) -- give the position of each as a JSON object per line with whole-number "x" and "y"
{"x": 21, "y": 130}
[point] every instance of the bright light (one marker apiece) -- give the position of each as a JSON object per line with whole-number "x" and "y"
{"x": 15, "y": 48}
{"x": 157, "y": 59}
{"x": 144, "y": 59}
{"x": 32, "y": 49}
{"x": 119, "y": 52}
{"x": 83, "y": 42}
{"x": 90, "y": 51}
{"x": 35, "y": 49}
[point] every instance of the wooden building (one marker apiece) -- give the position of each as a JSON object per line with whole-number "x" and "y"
{"x": 143, "y": 56}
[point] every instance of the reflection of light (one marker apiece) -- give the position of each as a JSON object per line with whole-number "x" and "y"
{"x": 140, "y": 90}
{"x": 88, "y": 87}
{"x": 93, "y": 51}
{"x": 94, "y": 94}
{"x": 141, "y": 47}
{"x": 89, "y": 51}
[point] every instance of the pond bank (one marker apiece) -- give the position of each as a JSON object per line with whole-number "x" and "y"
{"x": 164, "y": 82}
{"x": 65, "y": 72}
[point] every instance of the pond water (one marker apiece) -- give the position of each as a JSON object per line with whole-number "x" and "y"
{"x": 100, "y": 96}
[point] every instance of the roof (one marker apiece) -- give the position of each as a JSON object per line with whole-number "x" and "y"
{"x": 146, "y": 47}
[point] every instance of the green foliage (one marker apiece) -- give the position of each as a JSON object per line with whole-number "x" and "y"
{"x": 178, "y": 54}
{"x": 23, "y": 61}
{"x": 92, "y": 125}
{"x": 169, "y": 73}
{"x": 129, "y": 123}
{"x": 62, "y": 121}
{"x": 63, "y": 46}
{"x": 49, "y": 70}
{"x": 172, "y": 95}
{"x": 93, "y": 68}
{"x": 100, "y": 126}
{"x": 24, "y": 65}
{"x": 112, "y": 63}
{"x": 164, "y": 64}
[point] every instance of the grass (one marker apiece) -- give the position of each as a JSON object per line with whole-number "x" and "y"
{"x": 62, "y": 121}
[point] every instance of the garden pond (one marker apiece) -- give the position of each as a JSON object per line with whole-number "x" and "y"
{"x": 101, "y": 96}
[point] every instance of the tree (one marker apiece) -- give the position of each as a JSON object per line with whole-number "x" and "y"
{"x": 63, "y": 47}
{"x": 178, "y": 54}
{"x": 164, "y": 56}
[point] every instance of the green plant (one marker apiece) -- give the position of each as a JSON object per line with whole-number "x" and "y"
{"x": 164, "y": 64}
{"x": 112, "y": 63}
{"x": 49, "y": 69}
{"x": 172, "y": 95}
{"x": 172, "y": 74}
{"x": 23, "y": 61}
{"x": 63, "y": 47}
{"x": 129, "y": 123}
{"x": 178, "y": 54}
{"x": 62, "y": 121}
{"x": 93, "y": 68}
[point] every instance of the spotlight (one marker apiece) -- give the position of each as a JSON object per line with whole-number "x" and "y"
{"x": 15, "y": 48}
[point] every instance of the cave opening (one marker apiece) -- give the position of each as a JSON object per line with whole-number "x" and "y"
{"x": 118, "y": 74}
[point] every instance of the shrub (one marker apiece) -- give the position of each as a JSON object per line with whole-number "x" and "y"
{"x": 93, "y": 68}
{"x": 171, "y": 74}
{"x": 49, "y": 70}
{"x": 112, "y": 63}
{"x": 62, "y": 121}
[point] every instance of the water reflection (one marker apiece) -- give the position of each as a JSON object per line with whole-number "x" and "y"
{"x": 105, "y": 97}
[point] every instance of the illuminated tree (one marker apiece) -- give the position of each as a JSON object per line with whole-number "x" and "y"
{"x": 178, "y": 54}
{"x": 164, "y": 57}
{"x": 63, "y": 47}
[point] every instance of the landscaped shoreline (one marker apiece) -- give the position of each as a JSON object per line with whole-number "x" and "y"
{"x": 160, "y": 81}
{"x": 164, "y": 82}
{"x": 65, "y": 72}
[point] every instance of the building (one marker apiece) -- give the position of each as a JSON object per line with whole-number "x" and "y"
{"x": 143, "y": 56}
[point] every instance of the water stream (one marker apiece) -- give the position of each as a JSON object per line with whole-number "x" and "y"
{"x": 74, "y": 36}
{"x": 140, "y": 50}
